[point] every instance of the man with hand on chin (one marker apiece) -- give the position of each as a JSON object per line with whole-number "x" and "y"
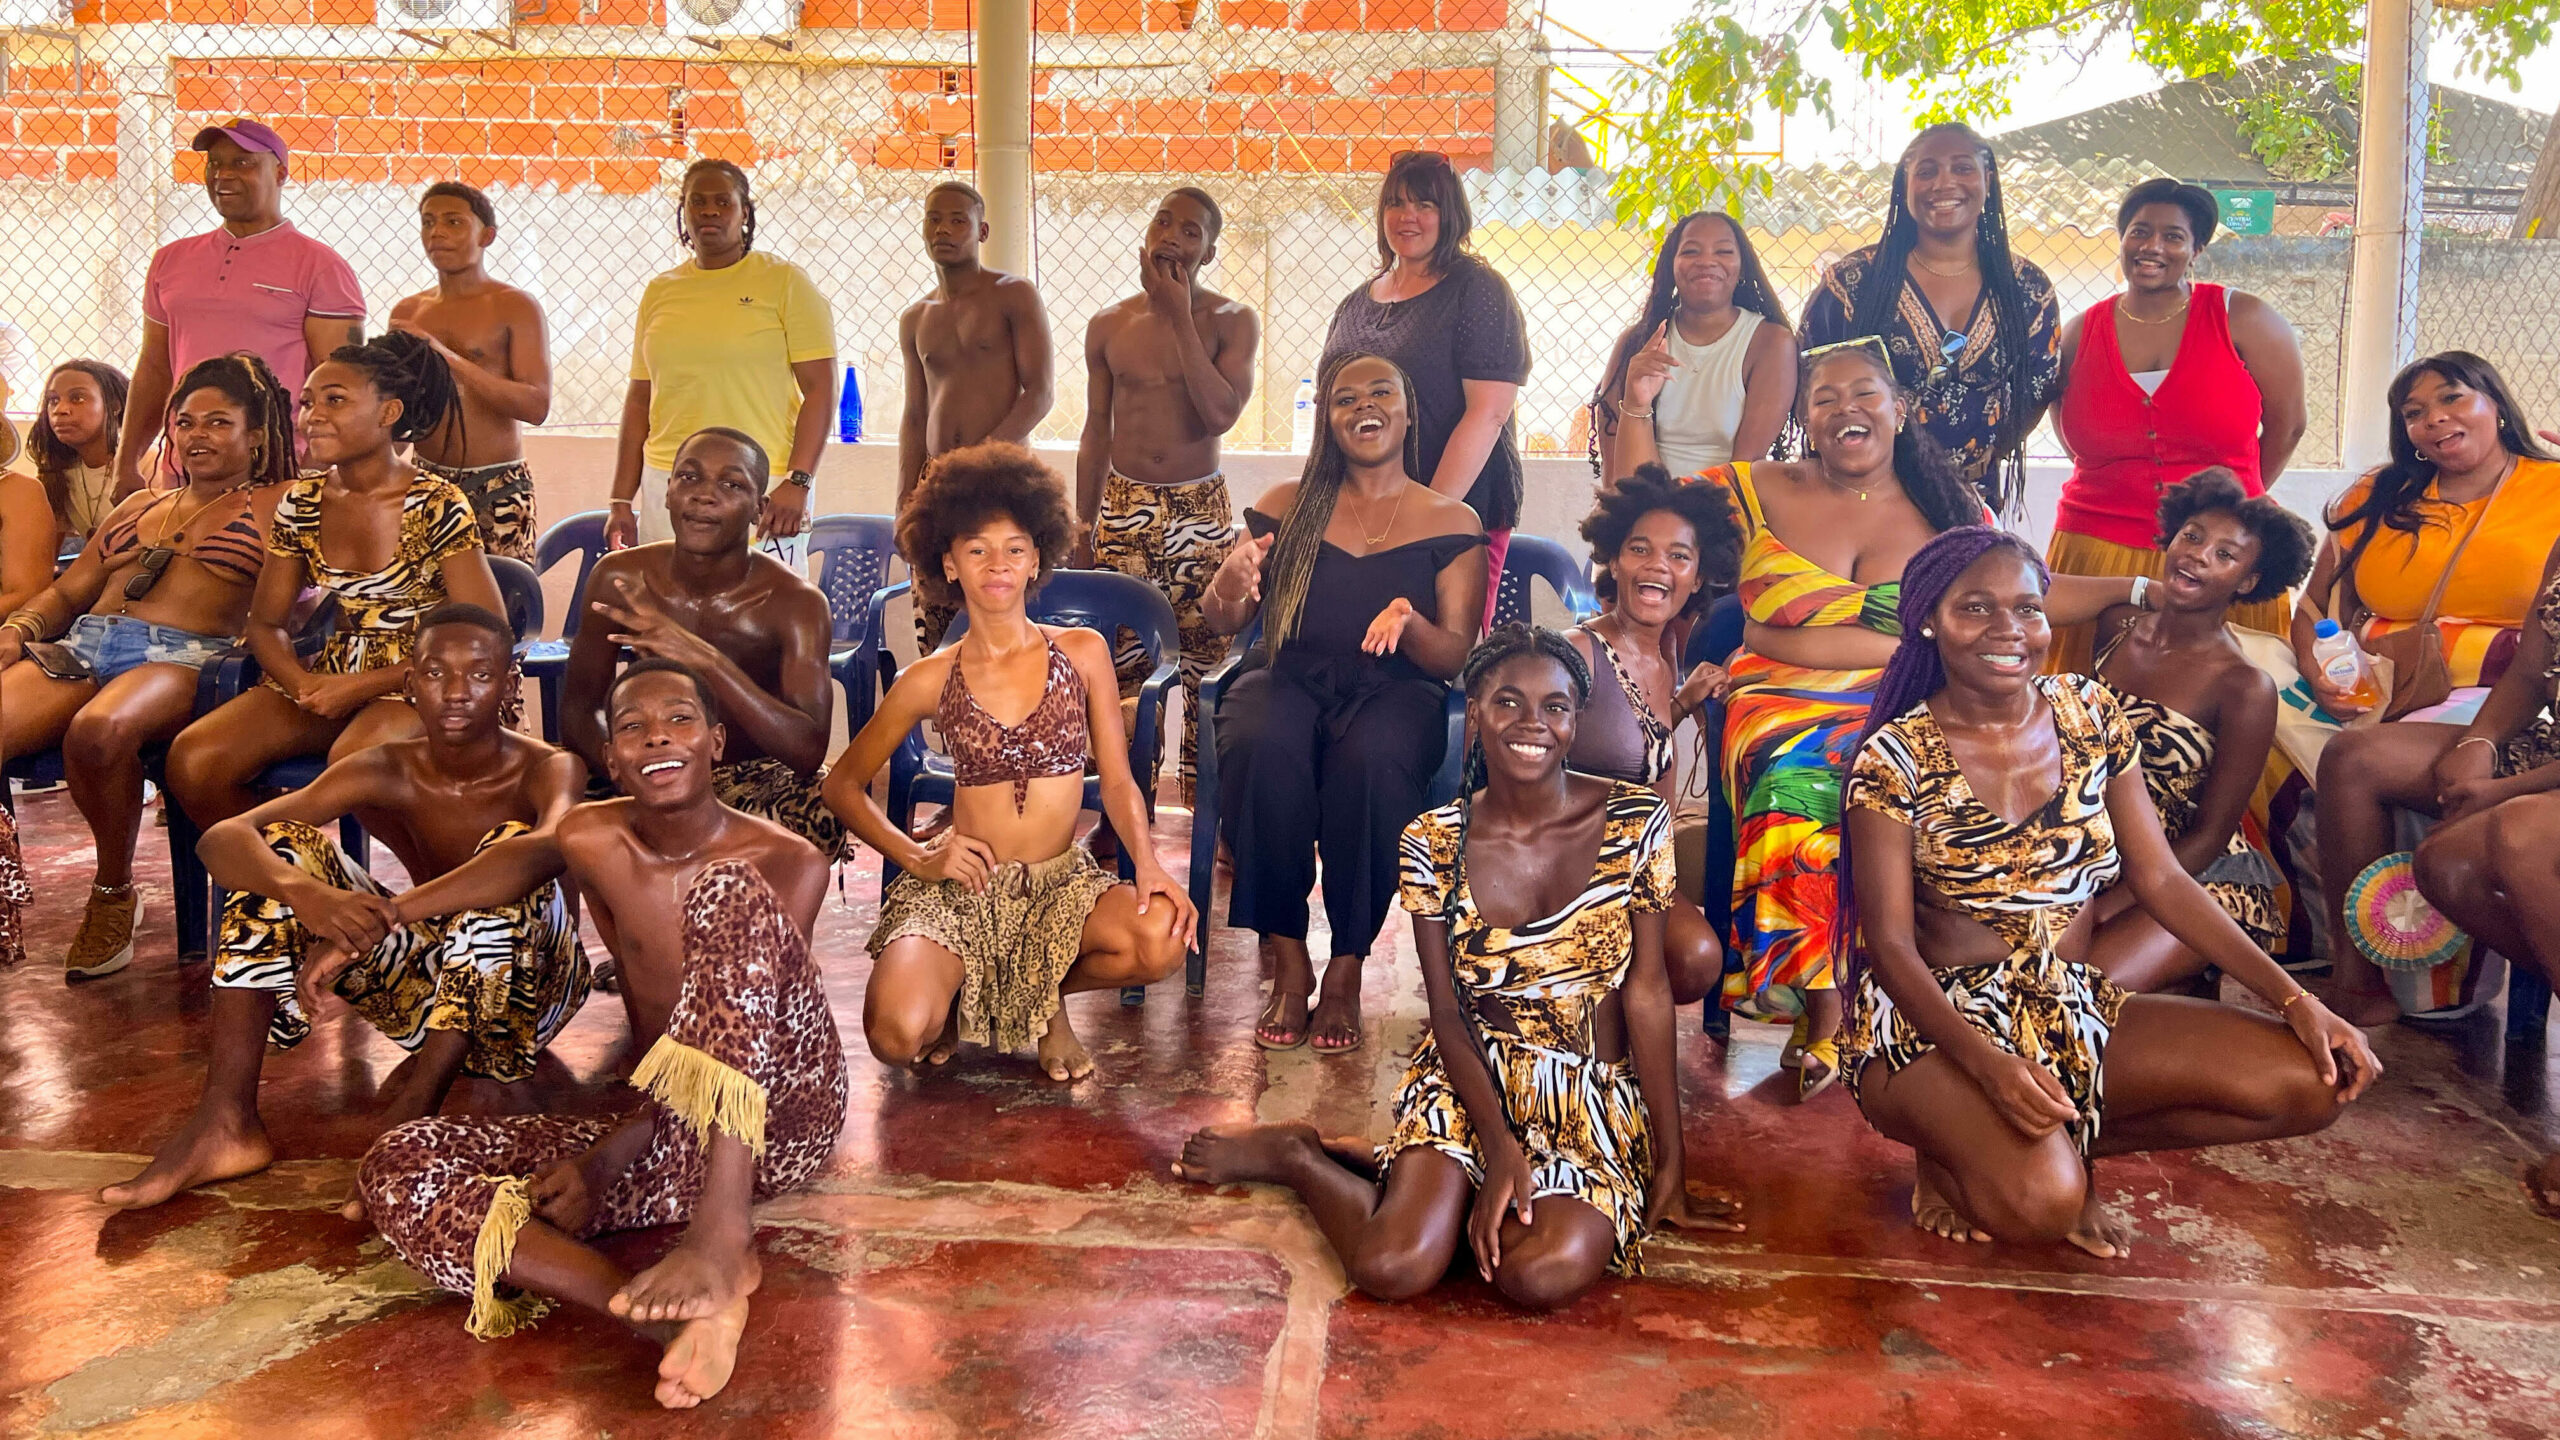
{"x": 747, "y": 624}
{"x": 480, "y": 990}
{"x": 708, "y": 912}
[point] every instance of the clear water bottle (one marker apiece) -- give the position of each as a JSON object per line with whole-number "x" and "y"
{"x": 2342, "y": 663}
{"x": 1302, "y": 417}
{"x": 849, "y": 407}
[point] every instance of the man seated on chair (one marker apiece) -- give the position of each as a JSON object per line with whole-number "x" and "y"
{"x": 480, "y": 991}
{"x": 746, "y": 623}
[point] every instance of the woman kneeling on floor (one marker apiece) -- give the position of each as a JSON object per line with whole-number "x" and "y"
{"x": 1003, "y": 914}
{"x": 1987, "y": 806}
{"x": 1529, "y": 1122}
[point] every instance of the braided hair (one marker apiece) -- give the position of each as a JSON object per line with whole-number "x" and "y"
{"x": 53, "y": 456}
{"x": 406, "y": 368}
{"x": 1880, "y": 295}
{"x": 1506, "y": 644}
{"x": 1922, "y": 466}
{"x": 1913, "y": 675}
{"x": 746, "y": 200}
{"x": 1292, "y": 562}
{"x": 1751, "y": 291}
{"x": 244, "y": 379}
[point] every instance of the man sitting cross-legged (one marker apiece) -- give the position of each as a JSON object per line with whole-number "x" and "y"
{"x": 709, "y": 912}
{"x": 748, "y": 625}
{"x": 478, "y": 991}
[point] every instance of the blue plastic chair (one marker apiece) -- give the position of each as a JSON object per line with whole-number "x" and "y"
{"x": 1535, "y": 557}
{"x": 852, "y": 555}
{"x": 1204, "y": 806}
{"x": 546, "y": 660}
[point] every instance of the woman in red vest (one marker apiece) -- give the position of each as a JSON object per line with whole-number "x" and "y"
{"x": 2166, "y": 379}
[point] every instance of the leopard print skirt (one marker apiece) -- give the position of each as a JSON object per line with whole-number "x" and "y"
{"x": 1016, "y": 941}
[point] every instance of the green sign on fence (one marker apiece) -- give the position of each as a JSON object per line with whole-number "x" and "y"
{"x": 2247, "y": 212}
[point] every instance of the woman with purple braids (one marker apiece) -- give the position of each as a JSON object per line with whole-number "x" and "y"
{"x": 1987, "y": 805}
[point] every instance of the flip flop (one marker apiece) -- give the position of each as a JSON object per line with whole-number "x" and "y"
{"x": 1264, "y": 1024}
{"x": 1824, "y": 1052}
{"x": 1792, "y": 1057}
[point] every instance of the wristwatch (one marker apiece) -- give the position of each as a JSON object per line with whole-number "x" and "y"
{"x": 800, "y": 478}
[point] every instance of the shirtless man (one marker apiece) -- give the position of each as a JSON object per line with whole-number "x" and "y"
{"x": 708, "y": 911}
{"x": 1169, "y": 369}
{"x": 493, "y": 336}
{"x": 746, "y": 623}
{"x": 977, "y": 358}
{"x": 304, "y": 920}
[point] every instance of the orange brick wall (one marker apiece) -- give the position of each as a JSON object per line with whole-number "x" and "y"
{"x": 51, "y": 131}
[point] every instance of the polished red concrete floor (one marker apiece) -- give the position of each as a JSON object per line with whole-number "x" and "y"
{"x": 992, "y": 1255}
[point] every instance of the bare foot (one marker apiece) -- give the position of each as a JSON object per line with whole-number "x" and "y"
{"x": 1932, "y": 1211}
{"x": 1062, "y": 1055}
{"x": 695, "y": 1282}
{"x": 946, "y": 1044}
{"x": 354, "y": 1208}
{"x": 2362, "y": 1008}
{"x": 701, "y": 1356}
{"x": 201, "y": 1154}
{"x": 2542, "y": 1185}
{"x": 1283, "y": 1025}
{"x": 2100, "y": 1231}
{"x": 1333, "y": 1028}
{"x": 1226, "y": 1154}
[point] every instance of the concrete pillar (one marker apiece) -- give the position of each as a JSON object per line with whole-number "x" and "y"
{"x": 1004, "y": 132}
{"x": 1519, "y": 114}
{"x": 2391, "y": 172}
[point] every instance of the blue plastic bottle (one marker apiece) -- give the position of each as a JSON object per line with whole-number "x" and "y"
{"x": 849, "y": 407}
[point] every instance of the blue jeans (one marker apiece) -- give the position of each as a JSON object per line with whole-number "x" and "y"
{"x": 114, "y": 644}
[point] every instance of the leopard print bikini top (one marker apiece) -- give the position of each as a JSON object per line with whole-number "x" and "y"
{"x": 1051, "y": 740}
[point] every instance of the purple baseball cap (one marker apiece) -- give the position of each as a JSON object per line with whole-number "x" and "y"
{"x": 247, "y": 134}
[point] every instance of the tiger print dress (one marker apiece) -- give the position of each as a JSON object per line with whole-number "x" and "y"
{"x": 2024, "y": 882}
{"x": 1580, "y": 1119}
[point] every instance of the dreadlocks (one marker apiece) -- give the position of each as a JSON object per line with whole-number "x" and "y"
{"x": 1880, "y": 295}
{"x": 746, "y": 200}
{"x": 1751, "y": 291}
{"x": 1506, "y": 644}
{"x": 1914, "y": 674}
{"x": 406, "y": 368}
{"x": 1293, "y": 554}
{"x": 245, "y": 380}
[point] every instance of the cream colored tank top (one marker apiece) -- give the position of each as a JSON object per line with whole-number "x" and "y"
{"x": 1694, "y": 420}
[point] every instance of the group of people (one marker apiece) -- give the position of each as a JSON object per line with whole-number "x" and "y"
{"x": 1991, "y": 879}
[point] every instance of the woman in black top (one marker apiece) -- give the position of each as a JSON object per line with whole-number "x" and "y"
{"x": 1448, "y": 320}
{"x": 1375, "y": 591}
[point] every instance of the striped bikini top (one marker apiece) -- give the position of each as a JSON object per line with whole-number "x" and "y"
{"x": 225, "y": 535}
{"x": 1782, "y": 588}
{"x": 1051, "y": 740}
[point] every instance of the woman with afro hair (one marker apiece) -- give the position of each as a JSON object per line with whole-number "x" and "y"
{"x": 1002, "y": 915}
{"x": 1659, "y": 545}
{"x": 2204, "y": 715}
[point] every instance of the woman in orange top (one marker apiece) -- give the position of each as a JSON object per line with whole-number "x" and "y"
{"x": 2462, "y": 452}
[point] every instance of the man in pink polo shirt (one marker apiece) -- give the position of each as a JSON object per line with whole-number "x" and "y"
{"x": 255, "y": 283}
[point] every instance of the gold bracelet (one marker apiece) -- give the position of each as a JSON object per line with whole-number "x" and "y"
{"x": 2298, "y": 997}
{"x": 1628, "y": 412}
{"x": 32, "y": 630}
{"x": 2475, "y": 740}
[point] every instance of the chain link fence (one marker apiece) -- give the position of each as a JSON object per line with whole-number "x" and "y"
{"x": 578, "y": 122}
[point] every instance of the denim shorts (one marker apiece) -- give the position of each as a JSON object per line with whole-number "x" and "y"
{"x": 114, "y": 644}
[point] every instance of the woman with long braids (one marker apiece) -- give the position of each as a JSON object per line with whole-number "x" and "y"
{"x": 103, "y": 663}
{"x": 1988, "y": 806}
{"x": 1708, "y": 371}
{"x": 1657, "y": 543}
{"x": 73, "y": 442}
{"x": 1973, "y": 330}
{"x": 398, "y": 544}
{"x": 1824, "y": 541}
{"x": 731, "y": 337}
{"x": 1371, "y": 588}
{"x": 1540, "y": 1120}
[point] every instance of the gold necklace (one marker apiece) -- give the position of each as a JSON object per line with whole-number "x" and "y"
{"x": 1368, "y": 540}
{"x": 1840, "y": 485}
{"x": 175, "y": 525}
{"x": 1966, "y": 268}
{"x": 2127, "y": 312}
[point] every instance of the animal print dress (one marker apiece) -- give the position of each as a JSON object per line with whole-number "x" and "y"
{"x": 2024, "y": 882}
{"x": 1581, "y": 1119}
